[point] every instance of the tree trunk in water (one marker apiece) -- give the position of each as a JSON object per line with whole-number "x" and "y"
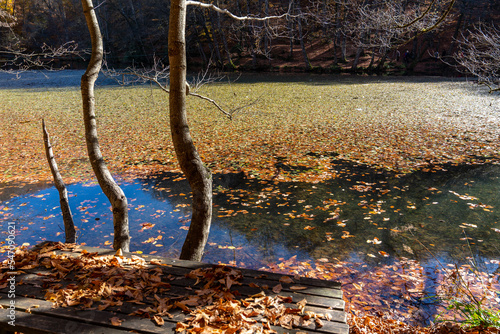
{"x": 199, "y": 177}
{"x": 69, "y": 226}
{"x": 106, "y": 182}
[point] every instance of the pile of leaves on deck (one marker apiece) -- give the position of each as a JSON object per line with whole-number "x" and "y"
{"x": 109, "y": 280}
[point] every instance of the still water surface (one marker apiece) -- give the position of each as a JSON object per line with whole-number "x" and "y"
{"x": 364, "y": 215}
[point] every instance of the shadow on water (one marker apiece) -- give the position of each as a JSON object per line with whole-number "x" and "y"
{"x": 360, "y": 213}
{"x": 363, "y": 215}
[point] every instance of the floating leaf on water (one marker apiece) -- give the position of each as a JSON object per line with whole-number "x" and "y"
{"x": 375, "y": 241}
{"x": 384, "y": 254}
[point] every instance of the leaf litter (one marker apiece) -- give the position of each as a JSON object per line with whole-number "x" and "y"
{"x": 275, "y": 142}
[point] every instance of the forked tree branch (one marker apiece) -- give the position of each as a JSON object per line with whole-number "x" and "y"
{"x": 421, "y": 17}
{"x": 159, "y": 74}
{"x": 233, "y": 16}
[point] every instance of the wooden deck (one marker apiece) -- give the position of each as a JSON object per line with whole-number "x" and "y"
{"x": 169, "y": 302}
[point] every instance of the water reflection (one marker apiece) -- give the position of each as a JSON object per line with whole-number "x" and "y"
{"x": 363, "y": 214}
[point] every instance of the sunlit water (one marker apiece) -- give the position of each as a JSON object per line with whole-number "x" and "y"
{"x": 364, "y": 214}
{"x": 367, "y": 217}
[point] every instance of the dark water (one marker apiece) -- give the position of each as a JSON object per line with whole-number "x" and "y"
{"x": 365, "y": 218}
{"x": 363, "y": 215}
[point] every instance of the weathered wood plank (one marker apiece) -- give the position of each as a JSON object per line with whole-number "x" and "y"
{"x": 69, "y": 317}
{"x": 323, "y": 297}
{"x": 40, "y": 324}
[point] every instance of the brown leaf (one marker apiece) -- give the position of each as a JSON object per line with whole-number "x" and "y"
{"x": 286, "y": 280}
{"x": 277, "y": 288}
{"x": 158, "y": 320}
{"x": 115, "y": 321}
{"x": 318, "y": 323}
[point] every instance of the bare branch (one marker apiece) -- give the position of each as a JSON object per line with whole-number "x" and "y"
{"x": 425, "y": 15}
{"x": 419, "y": 18}
{"x": 479, "y": 54}
{"x": 19, "y": 60}
{"x": 233, "y": 16}
{"x": 159, "y": 75}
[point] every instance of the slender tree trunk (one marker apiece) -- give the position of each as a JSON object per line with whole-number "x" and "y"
{"x": 198, "y": 175}
{"x": 372, "y": 59}
{"x": 108, "y": 185}
{"x": 290, "y": 31}
{"x": 343, "y": 49}
{"x": 69, "y": 226}
{"x": 359, "y": 51}
{"x": 302, "y": 44}
{"x": 383, "y": 59}
{"x": 215, "y": 40}
{"x": 208, "y": 36}
{"x": 224, "y": 42}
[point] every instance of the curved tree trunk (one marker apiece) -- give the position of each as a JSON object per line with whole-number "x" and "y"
{"x": 69, "y": 226}
{"x": 108, "y": 185}
{"x": 198, "y": 175}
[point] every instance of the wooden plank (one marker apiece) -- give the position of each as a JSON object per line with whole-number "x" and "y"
{"x": 40, "y": 324}
{"x": 323, "y": 297}
{"x": 194, "y": 265}
{"x": 92, "y": 318}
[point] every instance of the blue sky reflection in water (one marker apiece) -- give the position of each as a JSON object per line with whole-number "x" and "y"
{"x": 362, "y": 215}
{"x": 369, "y": 218}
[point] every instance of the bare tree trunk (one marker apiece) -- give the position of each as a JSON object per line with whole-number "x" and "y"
{"x": 69, "y": 226}
{"x": 372, "y": 59}
{"x": 198, "y": 175}
{"x": 359, "y": 51}
{"x": 343, "y": 49}
{"x": 215, "y": 39}
{"x": 224, "y": 42}
{"x": 301, "y": 40}
{"x": 108, "y": 185}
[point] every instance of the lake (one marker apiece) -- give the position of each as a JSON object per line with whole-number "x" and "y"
{"x": 385, "y": 204}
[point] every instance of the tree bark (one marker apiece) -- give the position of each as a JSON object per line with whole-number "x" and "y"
{"x": 198, "y": 175}
{"x": 108, "y": 185}
{"x": 69, "y": 226}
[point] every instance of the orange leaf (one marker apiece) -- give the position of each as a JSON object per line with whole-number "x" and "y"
{"x": 158, "y": 320}
{"x": 115, "y": 321}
